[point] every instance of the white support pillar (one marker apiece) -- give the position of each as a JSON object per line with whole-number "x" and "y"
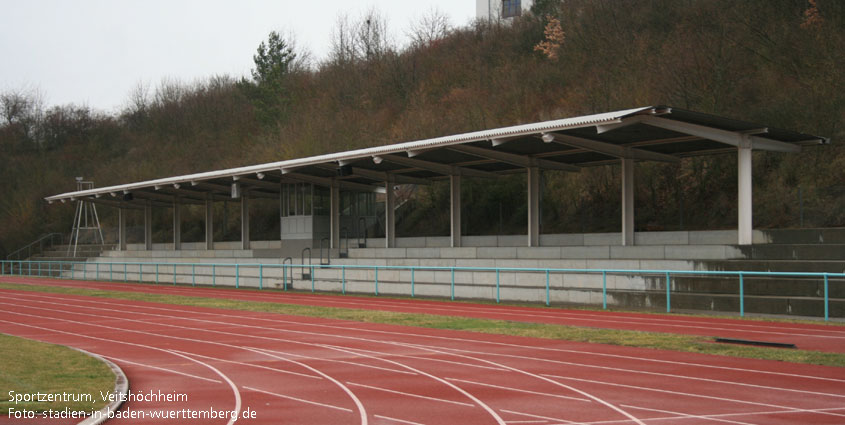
{"x": 244, "y": 219}
{"x": 177, "y": 223}
{"x": 627, "y": 201}
{"x": 148, "y": 226}
{"x": 533, "y": 206}
{"x": 745, "y": 234}
{"x": 334, "y": 215}
{"x": 389, "y": 214}
{"x": 121, "y": 229}
{"x": 209, "y": 222}
{"x": 455, "y": 206}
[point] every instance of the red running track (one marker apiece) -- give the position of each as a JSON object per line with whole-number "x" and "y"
{"x": 291, "y": 369}
{"x": 817, "y": 337}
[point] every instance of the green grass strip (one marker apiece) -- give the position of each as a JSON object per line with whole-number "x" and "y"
{"x": 30, "y": 367}
{"x": 655, "y": 340}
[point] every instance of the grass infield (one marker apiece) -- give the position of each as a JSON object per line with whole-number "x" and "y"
{"x": 32, "y": 367}
{"x": 662, "y": 341}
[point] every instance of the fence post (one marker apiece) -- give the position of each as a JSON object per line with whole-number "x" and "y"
{"x": 261, "y": 276}
{"x": 604, "y": 289}
{"x": 214, "y": 275}
{"x": 453, "y": 284}
{"x": 237, "y": 276}
{"x": 84, "y": 271}
{"x": 741, "y": 296}
{"x": 284, "y": 277}
{"x": 343, "y": 279}
{"x": 29, "y": 266}
{"x": 49, "y": 268}
{"x": 97, "y": 272}
{"x": 125, "y": 275}
{"x": 668, "y": 293}
{"x": 497, "y": 285}
{"x": 826, "y": 299}
{"x": 39, "y": 269}
{"x": 376, "y": 280}
{"x": 174, "y": 274}
{"x": 156, "y": 273}
{"x": 312, "y": 279}
{"x": 111, "y": 272}
{"x": 140, "y": 273}
{"x": 193, "y": 275}
{"x": 412, "y": 282}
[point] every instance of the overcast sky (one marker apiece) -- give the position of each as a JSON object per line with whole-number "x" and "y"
{"x": 95, "y": 51}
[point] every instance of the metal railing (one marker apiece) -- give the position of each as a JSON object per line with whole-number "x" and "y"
{"x": 45, "y": 241}
{"x": 258, "y": 273}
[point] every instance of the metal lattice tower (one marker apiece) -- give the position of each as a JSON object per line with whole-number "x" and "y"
{"x": 86, "y": 219}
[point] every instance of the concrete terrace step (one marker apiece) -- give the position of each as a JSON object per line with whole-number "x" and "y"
{"x": 827, "y": 251}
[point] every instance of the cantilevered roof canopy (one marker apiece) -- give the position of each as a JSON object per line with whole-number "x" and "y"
{"x": 652, "y": 133}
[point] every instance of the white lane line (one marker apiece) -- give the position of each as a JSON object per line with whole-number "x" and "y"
{"x": 709, "y": 397}
{"x": 483, "y": 405}
{"x": 442, "y": 400}
{"x": 464, "y": 340}
{"x": 688, "y": 415}
{"x": 401, "y": 421}
{"x": 564, "y": 315}
{"x": 453, "y": 362}
{"x": 343, "y": 387}
{"x": 403, "y": 372}
{"x": 422, "y": 347}
{"x": 398, "y": 344}
{"x": 298, "y": 399}
{"x": 355, "y": 399}
{"x": 519, "y": 390}
{"x": 115, "y": 359}
{"x": 644, "y": 372}
{"x": 540, "y": 377}
{"x": 725, "y": 415}
{"x": 257, "y": 366}
{"x": 541, "y": 421}
{"x": 236, "y": 413}
{"x": 545, "y": 418}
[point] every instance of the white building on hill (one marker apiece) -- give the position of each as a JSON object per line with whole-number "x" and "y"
{"x": 501, "y": 9}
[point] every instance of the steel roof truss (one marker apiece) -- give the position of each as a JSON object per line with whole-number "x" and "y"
{"x": 609, "y": 148}
{"x": 513, "y": 159}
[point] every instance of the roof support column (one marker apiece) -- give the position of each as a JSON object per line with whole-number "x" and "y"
{"x": 121, "y": 229}
{"x": 533, "y": 206}
{"x": 148, "y": 226}
{"x": 334, "y": 215}
{"x": 177, "y": 224}
{"x": 455, "y": 206}
{"x": 389, "y": 214}
{"x": 209, "y": 222}
{"x": 244, "y": 220}
{"x": 627, "y": 201}
{"x": 745, "y": 230}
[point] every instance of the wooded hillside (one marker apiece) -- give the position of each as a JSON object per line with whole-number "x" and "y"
{"x": 777, "y": 62}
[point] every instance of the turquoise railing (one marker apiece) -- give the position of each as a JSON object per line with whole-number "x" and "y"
{"x": 120, "y": 271}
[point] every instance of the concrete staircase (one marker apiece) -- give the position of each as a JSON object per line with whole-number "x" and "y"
{"x": 782, "y": 251}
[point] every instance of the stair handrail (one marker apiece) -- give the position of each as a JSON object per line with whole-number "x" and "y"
{"x": 362, "y": 232}
{"x": 324, "y": 244}
{"x": 307, "y": 248}
{"x": 344, "y": 238}
{"x": 287, "y": 276}
{"x": 50, "y": 237}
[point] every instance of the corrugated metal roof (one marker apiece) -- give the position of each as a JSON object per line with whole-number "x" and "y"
{"x": 528, "y": 130}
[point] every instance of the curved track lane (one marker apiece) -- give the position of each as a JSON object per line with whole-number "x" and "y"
{"x": 291, "y": 369}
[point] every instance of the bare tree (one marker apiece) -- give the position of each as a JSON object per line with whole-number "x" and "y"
{"x": 430, "y": 27}
{"x": 371, "y": 35}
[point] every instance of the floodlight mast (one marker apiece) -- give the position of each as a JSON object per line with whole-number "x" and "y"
{"x": 85, "y": 219}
